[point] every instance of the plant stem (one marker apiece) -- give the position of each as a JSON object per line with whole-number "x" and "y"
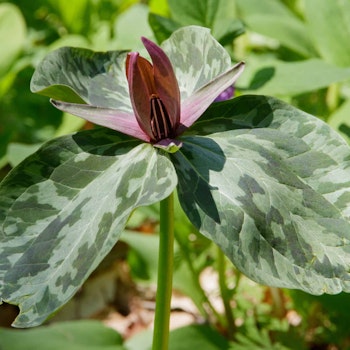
{"x": 225, "y": 294}
{"x": 165, "y": 274}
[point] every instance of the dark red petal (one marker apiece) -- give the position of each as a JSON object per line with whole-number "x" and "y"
{"x": 141, "y": 87}
{"x": 165, "y": 81}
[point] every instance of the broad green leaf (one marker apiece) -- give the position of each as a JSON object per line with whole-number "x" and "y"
{"x": 184, "y": 338}
{"x": 273, "y": 19}
{"x": 272, "y": 192}
{"x": 197, "y": 337}
{"x": 197, "y": 12}
{"x": 128, "y": 36}
{"x": 12, "y": 35}
{"x": 294, "y": 78}
{"x": 162, "y": 27}
{"x": 64, "y": 208}
{"x": 75, "y": 16}
{"x": 141, "y": 340}
{"x": 329, "y": 24}
{"x": 145, "y": 247}
{"x": 227, "y": 30}
{"x": 77, "y": 335}
{"x": 17, "y": 152}
{"x": 218, "y": 15}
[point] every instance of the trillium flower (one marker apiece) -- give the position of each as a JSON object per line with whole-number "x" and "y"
{"x": 164, "y": 102}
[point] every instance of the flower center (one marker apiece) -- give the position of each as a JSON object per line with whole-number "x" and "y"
{"x": 160, "y": 121}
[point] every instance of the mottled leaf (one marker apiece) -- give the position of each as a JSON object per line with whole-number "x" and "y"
{"x": 273, "y": 192}
{"x": 83, "y": 76}
{"x": 197, "y": 58}
{"x": 63, "y": 209}
{"x": 99, "y": 78}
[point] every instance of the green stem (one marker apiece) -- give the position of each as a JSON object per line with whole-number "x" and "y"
{"x": 225, "y": 294}
{"x": 165, "y": 275}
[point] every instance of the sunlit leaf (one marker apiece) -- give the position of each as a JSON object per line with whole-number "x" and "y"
{"x": 12, "y": 35}
{"x": 197, "y": 336}
{"x": 273, "y": 19}
{"x": 75, "y": 16}
{"x": 128, "y": 36}
{"x": 83, "y": 76}
{"x": 272, "y": 192}
{"x": 162, "y": 27}
{"x": 340, "y": 120}
{"x": 78, "y": 335}
{"x": 280, "y": 78}
{"x": 195, "y": 12}
{"x": 64, "y": 208}
{"x": 329, "y": 26}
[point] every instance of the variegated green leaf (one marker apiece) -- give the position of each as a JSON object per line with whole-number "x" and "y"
{"x": 84, "y": 76}
{"x": 197, "y": 58}
{"x": 99, "y": 78}
{"x": 63, "y": 209}
{"x": 273, "y": 192}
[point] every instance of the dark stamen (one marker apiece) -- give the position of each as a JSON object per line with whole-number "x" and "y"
{"x": 160, "y": 121}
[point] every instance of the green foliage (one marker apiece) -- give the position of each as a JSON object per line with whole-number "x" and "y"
{"x": 295, "y": 236}
{"x": 83, "y": 335}
{"x": 330, "y": 29}
{"x": 56, "y": 190}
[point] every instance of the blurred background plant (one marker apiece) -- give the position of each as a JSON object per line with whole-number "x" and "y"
{"x": 297, "y": 50}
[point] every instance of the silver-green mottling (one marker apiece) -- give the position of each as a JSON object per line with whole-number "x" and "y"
{"x": 99, "y": 78}
{"x": 196, "y": 57}
{"x": 273, "y": 192}
{"x": 63, "y": 209}
{"x": 80, "y": 75}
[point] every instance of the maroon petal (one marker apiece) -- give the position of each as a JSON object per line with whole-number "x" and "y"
{"x": 165, "y": 81}
{"x": 141, "y": 87}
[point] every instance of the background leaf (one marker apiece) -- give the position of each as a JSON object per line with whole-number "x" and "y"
{"x": 128, "y": 36}
{"x": 197, "y": 336}
{"x": 272, "y": 192}
{"x": 196, "y": 12}
{"x": 162, "y": 27}
{"x": 329, "y": 26}
{"x": 294, "y": 78}
{"x": 12, "y": 35}
{"x": 64, "y": 208}
{"x": 78, "y": 335}
{"x": 273, "y": 19}
{"x": 340, "y": 120}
